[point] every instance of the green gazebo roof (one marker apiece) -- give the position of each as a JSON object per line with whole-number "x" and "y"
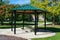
{"x": 27, "y": 7}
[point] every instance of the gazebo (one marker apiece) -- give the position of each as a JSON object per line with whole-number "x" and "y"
{"x": 28, "y": 9}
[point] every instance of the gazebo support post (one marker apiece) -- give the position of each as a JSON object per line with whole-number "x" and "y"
{"x": 35, "y": 22}
{"x": 14, "y": 21}
{"x": 23, "y": 20}
{"x": 45, "y": 21}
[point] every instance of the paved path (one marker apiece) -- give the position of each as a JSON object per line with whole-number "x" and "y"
{"x": 26, "y": 35}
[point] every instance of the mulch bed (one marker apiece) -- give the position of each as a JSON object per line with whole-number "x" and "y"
{"x": 6, "y": 37}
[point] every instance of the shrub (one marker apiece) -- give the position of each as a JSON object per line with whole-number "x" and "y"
{"x": 56, "y": 18}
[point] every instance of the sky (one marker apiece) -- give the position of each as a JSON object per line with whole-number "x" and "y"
{"x": 19, "y": 2}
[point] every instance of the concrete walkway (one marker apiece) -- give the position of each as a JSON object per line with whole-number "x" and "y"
{"x": 27, "y": 35}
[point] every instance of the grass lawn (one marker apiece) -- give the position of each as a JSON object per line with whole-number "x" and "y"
{"x": 56, "y": 37}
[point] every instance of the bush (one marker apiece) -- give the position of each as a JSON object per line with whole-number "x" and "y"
{"x": 56, "y": 18}
{"x": 19, "y": 17}
{"x": 27, "y": 17}
{"x": 49, "y": 17}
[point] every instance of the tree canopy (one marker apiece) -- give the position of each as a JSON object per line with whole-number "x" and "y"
{"x": 53, "y": 8}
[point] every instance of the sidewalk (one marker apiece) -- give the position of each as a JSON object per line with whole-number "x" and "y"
{"x": 27, "y": 35}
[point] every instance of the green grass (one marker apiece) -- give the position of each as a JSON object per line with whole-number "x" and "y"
{"x": 8, "y": 26}
{"x": 19, "y": 22}
{"x": 56, "y": 37}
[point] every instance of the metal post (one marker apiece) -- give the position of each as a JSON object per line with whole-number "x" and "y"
{"x": 23, "y": 20}
{"x": 14, "y": 21}
{"x": 35, "y": 22}
{"x": 45, "y": 21}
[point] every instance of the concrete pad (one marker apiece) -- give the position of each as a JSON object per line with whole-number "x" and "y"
{"x": 27, "y": 35}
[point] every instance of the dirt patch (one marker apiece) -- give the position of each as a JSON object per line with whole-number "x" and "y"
{"x": 6, "y": 37}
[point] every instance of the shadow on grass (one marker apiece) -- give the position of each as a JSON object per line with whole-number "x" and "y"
{"x": 51, "y": 29}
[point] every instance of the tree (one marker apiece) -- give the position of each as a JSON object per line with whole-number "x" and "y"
{"x": 0, "y": 2}
{"x": 54, "y": 9}
{"x": 38, "y": 4}
{"x": 6, "y": 2}
{"x": 4, "y": 9}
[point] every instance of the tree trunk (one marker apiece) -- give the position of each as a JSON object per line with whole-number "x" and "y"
{"x": 53, "y": 20}
{"x": 0, "y": 2}
{"x": 1, "y": 21}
